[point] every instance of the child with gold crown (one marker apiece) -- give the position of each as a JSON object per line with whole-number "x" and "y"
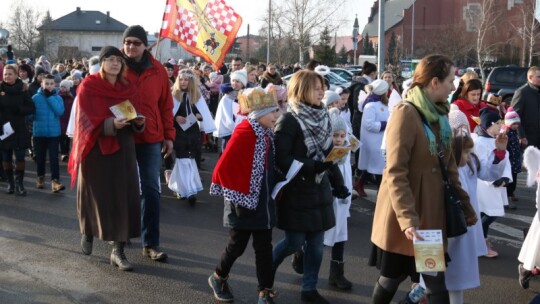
{"x": 244, "y": 176}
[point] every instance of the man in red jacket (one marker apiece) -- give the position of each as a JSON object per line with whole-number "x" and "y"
{"x": 150, "y": 78}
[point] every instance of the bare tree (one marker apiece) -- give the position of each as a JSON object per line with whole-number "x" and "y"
{"x": 23, "y": 27}
{"x": 304, "y": 20}
{"x": 528, "y": 31}
{"x": 484, "y": 16}
{"x": 451, "y": 40}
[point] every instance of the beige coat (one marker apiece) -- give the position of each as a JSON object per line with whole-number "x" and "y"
{"x": 411, "y": 193}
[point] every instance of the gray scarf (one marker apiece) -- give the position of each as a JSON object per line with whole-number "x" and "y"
{"x": 316, "y": 127}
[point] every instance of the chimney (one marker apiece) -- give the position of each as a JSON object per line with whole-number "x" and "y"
{"x": 78, "y": 10}
{"x": 108, "y": 16}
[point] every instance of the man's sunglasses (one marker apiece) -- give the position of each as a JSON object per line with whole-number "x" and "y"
{"x": 130, "y": 42}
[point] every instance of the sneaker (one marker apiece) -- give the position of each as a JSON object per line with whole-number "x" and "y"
{"x": 40, "y": 183}
{"x": 524, "y": 276}
{"x": 154, "y": 253}
{"x": 266, "y": 296}
{"x": 491, "y": 253}
{"x": 56, "y": 186}
{"x": 221, "y": 289}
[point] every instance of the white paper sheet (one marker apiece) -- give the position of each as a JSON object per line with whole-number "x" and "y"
{"x": 8, "y": 130}
{"x": 293, "y": 170}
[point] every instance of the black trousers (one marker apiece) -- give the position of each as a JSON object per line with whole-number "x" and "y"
{"x": 262, "y": 244}
{"x": 510, "y": 188}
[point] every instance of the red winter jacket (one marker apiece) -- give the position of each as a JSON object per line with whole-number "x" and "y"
{"x": 470, "y": 110}
{"x": 155, "y": 103}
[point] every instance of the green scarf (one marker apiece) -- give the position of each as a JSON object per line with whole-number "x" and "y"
{"x": 433, "y": 113}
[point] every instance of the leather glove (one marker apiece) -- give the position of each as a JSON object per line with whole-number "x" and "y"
{"x": 320, "y": 166}
{"x": 501, "y": 182}
{"x": 341, "y": 192}
{"x": 47, "y": 93}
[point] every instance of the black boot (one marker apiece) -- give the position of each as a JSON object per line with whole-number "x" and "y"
{"x": 118, "y": 258}
{"x": 337, "y": 277}
{"x": 19, "y": 186}
{"x": 8, "y": 171}
{"x": 438, "y": 298}
{"x": 381, "y": 295}
{"x": 298, "y": 261}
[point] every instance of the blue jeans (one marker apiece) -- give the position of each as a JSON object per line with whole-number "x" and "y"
{"x": 149, "y": 161}
{"x": 42, "y": 145}
{"x": 313, "y": 254}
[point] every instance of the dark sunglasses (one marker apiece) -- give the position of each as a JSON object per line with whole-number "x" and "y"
{"x": 130, "y": 42}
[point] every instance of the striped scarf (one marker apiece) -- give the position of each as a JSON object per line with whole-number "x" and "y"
{"x": 316, "y": 127}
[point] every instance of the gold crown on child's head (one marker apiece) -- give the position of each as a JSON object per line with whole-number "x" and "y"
{"x": 254, "y": 99}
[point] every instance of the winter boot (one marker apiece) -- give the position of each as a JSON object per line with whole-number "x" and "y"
{"x": 438, "y": 298}
{"x": 19, "y": 177}
{"x": 8, "y": 171}
{"x": 118, "y": 258}
{"x": 336, "y": 277}
{"x": 40, "y": 182}
{"x": 359, "y": 187}
{"x": 381, "y": 295}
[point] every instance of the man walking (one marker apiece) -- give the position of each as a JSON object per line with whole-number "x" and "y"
{"x": 526, "y": 102}
{"x": 156, "y": 104}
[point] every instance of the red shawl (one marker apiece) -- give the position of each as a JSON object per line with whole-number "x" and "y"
{"x": 94, "y": 98}
{"x": 239, "y": 171}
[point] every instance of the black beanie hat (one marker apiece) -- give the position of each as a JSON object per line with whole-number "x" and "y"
{"x": 488, "y": 117}
{"x": 136, "y": 31}
{"x": 109, "y": 51}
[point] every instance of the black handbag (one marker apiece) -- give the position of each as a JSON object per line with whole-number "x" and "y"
{"x": 456, "y": 224}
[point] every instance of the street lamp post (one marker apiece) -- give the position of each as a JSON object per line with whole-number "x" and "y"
{"x": 412, "y": 32}
{"x": 269, "y": 30}
{"x": 356, "y": 27}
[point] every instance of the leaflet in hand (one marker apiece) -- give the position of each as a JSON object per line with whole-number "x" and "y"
{"x": 190, "y": 121}
{"x": 8, "y": 130}
{"x": 429, "y": 253}
{"x": 354, "y": 143}
{"x": 337, "y": 153}
{"x": 293, "y": 170}
{"x": 124, "y": 110}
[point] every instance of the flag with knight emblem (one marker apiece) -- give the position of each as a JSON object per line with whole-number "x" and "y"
{"x": 205, "y": 28}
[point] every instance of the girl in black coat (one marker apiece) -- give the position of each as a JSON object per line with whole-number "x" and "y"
{"x": 15, "y": 104}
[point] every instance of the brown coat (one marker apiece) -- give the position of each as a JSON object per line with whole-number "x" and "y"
{"x": 108, "y": 201}
{"x": 411, "y": 193}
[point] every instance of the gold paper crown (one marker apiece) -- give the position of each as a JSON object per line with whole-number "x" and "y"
{"x": 257, "y": 99}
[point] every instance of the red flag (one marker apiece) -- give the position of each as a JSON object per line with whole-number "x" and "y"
{"x": 205, "y": 28}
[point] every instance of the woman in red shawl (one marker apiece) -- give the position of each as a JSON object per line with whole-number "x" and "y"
{"x": 103, "y": 159}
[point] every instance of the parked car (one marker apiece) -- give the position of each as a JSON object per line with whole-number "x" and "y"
{"x": 343, "y": 73}
{"x": 334, "y": 79}
{"x": 504, "y": 81}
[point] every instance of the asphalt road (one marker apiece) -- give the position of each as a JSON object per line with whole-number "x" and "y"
{"x": 41, "y": 260}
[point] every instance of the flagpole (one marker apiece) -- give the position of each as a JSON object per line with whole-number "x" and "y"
{"x": 157, "y": 48}
{"x": 269, "y": 29}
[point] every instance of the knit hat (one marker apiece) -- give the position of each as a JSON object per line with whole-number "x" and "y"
{"x": 66, "y": 83}
{"x": 338, "y": 123}
{"x": 109, "y": 51}
{"x": 240, "y": 76}
{"x": 380, "y": 87}
{"x": 57, "y": 78}
{"x": 488, "y": 117}
{"x": 136, "y": 31}
{"x": 76, "y": 75}
{"x": 330, "y": 97}
{"x": 93, "y": 65}
{"x": 40, "y": 70}
{"x": 213, "y": 76}
{"x": 511, "y": 117}
{"x": 457, "y": 118}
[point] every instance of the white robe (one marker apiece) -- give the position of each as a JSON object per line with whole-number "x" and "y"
{"x": 491, "y": 199}
{"x": 338, "y": 233}
{"x": 462, "y": 272}
{"x": 393, "y": 100}
{"x": 185, "y": 179}
{"x": 371, "y": 136}
{"x": 207, "y": 124}
{"x": 227, "y": 117}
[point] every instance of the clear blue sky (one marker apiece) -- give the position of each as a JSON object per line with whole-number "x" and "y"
{"x": 149, "y": 13}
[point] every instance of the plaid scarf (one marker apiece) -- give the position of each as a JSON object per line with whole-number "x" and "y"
{"x": 316, "y": 127}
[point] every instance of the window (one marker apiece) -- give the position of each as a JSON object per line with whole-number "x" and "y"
{"x": 174, "y": 45}
{"x": 96, "y": 48}
{"x": 471, "y": 16}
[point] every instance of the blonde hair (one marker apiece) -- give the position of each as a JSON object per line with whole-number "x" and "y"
{"x": 301, "y": 87}
{"x": 193, "y": 90}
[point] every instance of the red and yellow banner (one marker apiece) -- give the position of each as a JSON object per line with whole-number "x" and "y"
{"x": 205, "y": 28}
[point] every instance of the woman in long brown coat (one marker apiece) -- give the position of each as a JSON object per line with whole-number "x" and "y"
{"x": 411, "y": 195}
{"x": 103, "y": 160}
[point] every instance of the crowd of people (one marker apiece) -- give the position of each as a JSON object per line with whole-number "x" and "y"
{"x": 405, "y": 144}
